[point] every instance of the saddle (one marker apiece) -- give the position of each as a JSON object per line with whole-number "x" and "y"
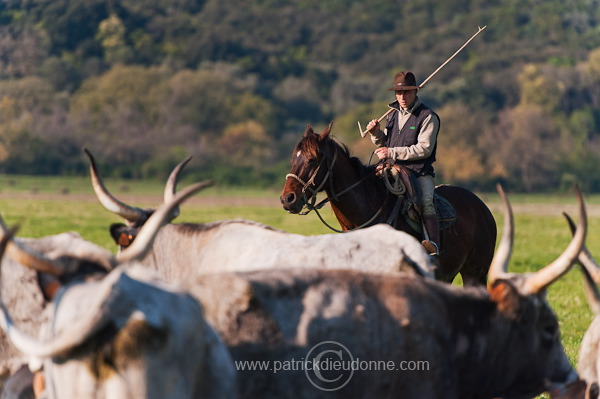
{"x": 402, "y": 182}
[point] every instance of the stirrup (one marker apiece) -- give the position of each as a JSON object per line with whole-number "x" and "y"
{"x": 431, "y": 248}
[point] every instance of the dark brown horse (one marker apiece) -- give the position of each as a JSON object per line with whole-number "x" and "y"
{"x": 359, "y": 198}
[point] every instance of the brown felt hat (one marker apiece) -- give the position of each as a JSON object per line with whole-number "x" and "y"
{"x": 404, "y": 80}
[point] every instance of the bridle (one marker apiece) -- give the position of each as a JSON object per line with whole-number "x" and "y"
{"x": 310, "y": 186}
{"x": 311, "y": 199}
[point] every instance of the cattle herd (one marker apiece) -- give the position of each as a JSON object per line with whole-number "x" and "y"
{"x": 237, "y": 309}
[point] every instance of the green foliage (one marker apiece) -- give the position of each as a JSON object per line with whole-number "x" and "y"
{"x": 136, "y": 79}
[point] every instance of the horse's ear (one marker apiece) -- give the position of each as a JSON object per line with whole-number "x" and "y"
{"x": 325, "y": 134}
{"x": 309, "y": 131}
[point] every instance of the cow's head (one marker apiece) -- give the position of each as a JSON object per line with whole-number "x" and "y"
{"x": 56, "y": 258}
{"x": 110, "y": 330}
{"x": 125, "y": 234}
{"x": 537, "y": 356}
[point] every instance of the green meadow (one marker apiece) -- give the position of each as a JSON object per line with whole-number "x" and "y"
{"x": 43, "y": 206}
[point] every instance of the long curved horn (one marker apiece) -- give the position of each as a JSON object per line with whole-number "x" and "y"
{"x": 591, "y": 291}
{"x": 585, "y": 257}
{"x": 543, "y": 278}
{"x": 145, "y": 238}
{"x": 590, "y": 270}
{"x": 171, "y": 185}
{"x": 499, "y": 266}
{"x": 130, "y": 213}
{"x": 29, "y": 258}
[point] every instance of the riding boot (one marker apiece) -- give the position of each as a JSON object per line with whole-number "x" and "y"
{"x": 433, "y": 231}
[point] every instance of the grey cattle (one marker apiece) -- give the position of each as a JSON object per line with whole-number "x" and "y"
{"x": 113, "y": 329}
{"x": 242, "y": 245}
{"x": 20, "y": 287}
{"x": 461, "y": 343}
{"x": 589, "y": 352}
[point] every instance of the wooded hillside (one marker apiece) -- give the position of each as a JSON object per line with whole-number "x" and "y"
{"x": 144, "y": 83}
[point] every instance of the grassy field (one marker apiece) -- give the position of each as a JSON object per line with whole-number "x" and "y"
{"x": 44, "y": 206}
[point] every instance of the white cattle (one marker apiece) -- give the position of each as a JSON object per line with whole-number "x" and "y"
{"x": 242, "y": 245}
{"x": 187, "y": 250}
{"x": 113, "y": 329}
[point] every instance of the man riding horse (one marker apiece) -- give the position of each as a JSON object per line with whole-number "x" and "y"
{"x": 410, "y": 139}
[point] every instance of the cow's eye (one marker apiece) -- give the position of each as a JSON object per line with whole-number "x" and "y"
{"x": 549, "y": 333}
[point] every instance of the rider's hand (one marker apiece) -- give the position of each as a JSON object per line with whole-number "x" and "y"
{"x": 373, "y": 126}
{"x": 382, "y": 152}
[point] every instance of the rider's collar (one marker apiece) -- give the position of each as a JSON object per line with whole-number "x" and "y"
{"x": 396, "y": 105}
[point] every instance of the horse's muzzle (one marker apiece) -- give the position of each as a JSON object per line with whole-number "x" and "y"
{"x": 291, "y": 202}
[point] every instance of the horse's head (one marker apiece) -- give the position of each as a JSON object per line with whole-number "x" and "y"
{"x": 309, "y": 170}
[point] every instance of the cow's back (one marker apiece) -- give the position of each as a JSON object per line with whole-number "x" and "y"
{"x": 183, "y": 251}
{"x": 281, "y": 315}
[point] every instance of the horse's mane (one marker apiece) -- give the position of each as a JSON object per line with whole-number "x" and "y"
{"x": 310, "y": 145}
{"x": 356, "y": 163}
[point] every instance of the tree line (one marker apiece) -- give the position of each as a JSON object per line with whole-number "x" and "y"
{"x": 143, "y": 84}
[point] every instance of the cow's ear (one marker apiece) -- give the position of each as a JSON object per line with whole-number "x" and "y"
{"x": 122, "y": 234}
{"x": 507, "y": 298}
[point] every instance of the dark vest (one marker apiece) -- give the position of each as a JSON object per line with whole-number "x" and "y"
{"x": 409, "y": 136}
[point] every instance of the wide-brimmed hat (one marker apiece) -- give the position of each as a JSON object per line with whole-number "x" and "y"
{"x": 404, "y": 80}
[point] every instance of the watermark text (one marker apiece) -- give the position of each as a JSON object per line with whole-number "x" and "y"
{"x": 329, "y": 365}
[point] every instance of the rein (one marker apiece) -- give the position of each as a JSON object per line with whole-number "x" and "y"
{"x": 310, "y": 201}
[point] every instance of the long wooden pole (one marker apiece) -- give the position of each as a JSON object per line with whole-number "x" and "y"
{"x": 364, "y": 133}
